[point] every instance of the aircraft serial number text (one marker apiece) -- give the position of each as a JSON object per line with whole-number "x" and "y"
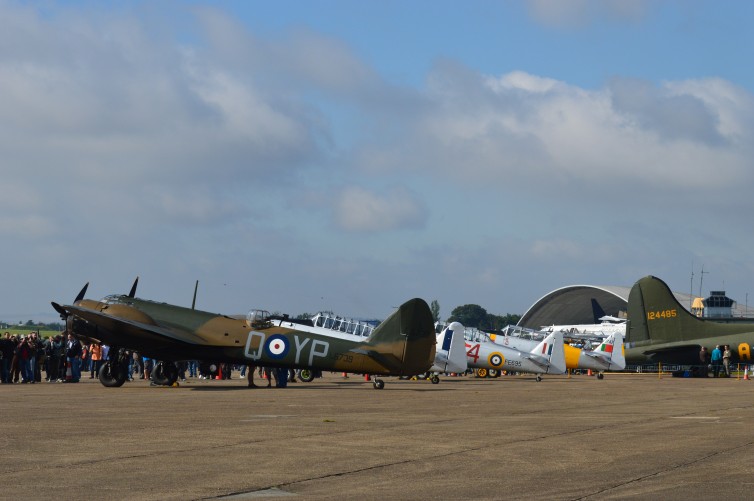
{"x": 656, "y": 315}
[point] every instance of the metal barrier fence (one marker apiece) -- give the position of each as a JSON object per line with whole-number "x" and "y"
{"x": 736, "y": 370}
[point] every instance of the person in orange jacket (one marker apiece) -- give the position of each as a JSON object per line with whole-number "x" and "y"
{"x": 96, "y": 351}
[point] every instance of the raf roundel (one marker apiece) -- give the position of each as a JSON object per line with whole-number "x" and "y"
{"x": 496, "y": 359}
{"x": 277, "y": 346}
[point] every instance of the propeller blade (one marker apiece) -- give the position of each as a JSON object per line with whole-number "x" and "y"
{"x": 133, "y": 288}
{"x": 82, "y": 293}
{"x": 59, "y": 309}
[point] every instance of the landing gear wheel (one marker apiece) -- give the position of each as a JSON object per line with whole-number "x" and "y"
{"x": 112, "y": 375}
{"x": 378, "y": 384}
{"x": 435, "y": 379}
{"x": 539, "y": 378}
{"x": 306, "y": 375}
{"x": 600, "y": 375}
{"x": 165, "y": 373}
{"x": 481, "y": 372}
{"x": 494, "y": 373}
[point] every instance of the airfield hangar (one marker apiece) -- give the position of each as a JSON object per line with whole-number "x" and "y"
{"x": 575, "y": 304}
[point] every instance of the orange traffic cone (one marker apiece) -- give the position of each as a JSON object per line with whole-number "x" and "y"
{"x": 589, "y": 372}
{"x": 68, "y": 372}
{"x": 746, "y": 373}
{"x": 219, "y": 373}
{"x": 366, "y": 377}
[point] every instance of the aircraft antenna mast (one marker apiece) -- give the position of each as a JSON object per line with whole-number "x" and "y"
{"x": 193, "y": 303}
{"x": 701, "y": 280}
{"x": 691, "y": 287}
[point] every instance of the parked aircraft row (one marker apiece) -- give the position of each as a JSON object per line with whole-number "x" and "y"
{"x": 405, "y": 344}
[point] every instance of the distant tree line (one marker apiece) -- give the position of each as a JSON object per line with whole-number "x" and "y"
{"x": 34, "y": 326}
{"x": 473, "y": 315}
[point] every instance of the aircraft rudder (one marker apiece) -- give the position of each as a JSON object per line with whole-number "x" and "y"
{"x": 552, "y": 348}
{"x": 457, "y": 361}
{"x": 655, "y": 313}
{"x": 612, "y": 349}
{"x": 557, "y": 357}
{"x": 618, "y": 361}
{"x": 408, "y": 334}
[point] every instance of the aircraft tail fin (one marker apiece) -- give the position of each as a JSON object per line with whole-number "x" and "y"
{"x": 451, "y": 350}
{"x": 611, "y": 351}
{"x": 552, "y": 353}
{"x": 405, "y": 341}
{"x": 597, "y": 311}
{"x": 655, "y": 314}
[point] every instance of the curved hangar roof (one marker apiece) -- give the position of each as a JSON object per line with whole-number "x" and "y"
{"x": 572, "y": 305}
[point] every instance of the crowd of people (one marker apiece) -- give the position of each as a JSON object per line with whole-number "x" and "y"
{"x": 23, "y": 358}
{"x": 62, "y": 359}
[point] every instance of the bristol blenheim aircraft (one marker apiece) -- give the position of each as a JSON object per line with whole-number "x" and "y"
{"x": 402, "y": 345}
{"x": 660, "y": 329}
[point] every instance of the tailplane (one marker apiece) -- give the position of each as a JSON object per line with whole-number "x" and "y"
{"x": 550, "y": 354}
{"x": 610, "y": 352}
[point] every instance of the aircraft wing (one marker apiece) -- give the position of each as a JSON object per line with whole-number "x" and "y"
{"x": 119, "y": 331}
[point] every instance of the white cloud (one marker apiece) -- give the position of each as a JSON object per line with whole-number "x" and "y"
{"x": 577, "y": 13}
{"x": 538, "y": 132}
{"x": 361, "y": 210}
{"x": 129, "y": 149}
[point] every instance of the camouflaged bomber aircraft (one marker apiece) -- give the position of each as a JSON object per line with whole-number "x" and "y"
{"x": 402, "y": 345}
{"x": 660, "y": 329}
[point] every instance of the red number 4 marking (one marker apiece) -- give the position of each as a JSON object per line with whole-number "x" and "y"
{"x": 473, "y": 352}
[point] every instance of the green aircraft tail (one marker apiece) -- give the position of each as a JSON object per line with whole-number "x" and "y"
{"x": 655, "y": 315}
{"x": 405, "y": 341}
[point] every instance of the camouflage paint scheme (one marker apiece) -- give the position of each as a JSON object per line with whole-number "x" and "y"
{"x": 402, "y": 345}
{"x": 660, "y": 329}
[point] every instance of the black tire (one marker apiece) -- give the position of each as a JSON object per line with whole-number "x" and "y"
{"x": 306, "y": 375}
{"x": 165, "y": 373}
{"x": 435, "y": 379}
{"x": 209, "y": 369}
{"x": 378, "y": 384}
{"x": 481, "y": 372}
{"x": 600, "y": 375}
{"x": 112, "y": 375}
{"x": 493, "y": 373}
{"x": 539, "y": 378}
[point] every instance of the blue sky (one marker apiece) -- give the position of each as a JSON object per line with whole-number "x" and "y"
{"x": 299, "y": 156}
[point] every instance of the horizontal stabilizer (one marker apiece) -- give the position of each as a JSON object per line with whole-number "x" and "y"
{"x": 609, "y": 353}
{"x": 549, "y": 354}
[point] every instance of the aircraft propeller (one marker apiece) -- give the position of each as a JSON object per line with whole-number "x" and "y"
{"x": 79, "y": 297}
{"x": 82, "y": 292}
